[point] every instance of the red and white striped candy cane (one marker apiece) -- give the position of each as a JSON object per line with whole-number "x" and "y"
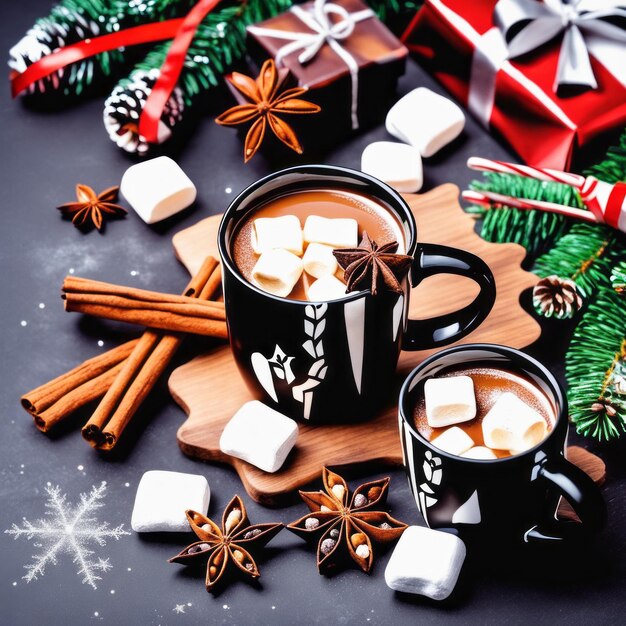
{"x": 606, "y": 202}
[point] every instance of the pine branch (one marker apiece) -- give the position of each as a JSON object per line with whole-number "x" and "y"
{"x": 72, "y": 21}
{"x": 535, "y": 230}
{"x": 594, "y": 365}
{"x": 395, "y": 12}
{"x": 613, "y": 168}
{"x": 219, "y": 41}
{"x": 583, "y": 255}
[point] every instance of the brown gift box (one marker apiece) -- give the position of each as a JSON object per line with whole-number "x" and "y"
{"x": 379, "y": 55}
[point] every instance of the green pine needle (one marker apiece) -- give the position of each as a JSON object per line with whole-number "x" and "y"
{"x": 594, "y": 257}
{"x": 219, "y": 41}
{"x": 584, "y": 255}
{"x": 595, "y": 352}
{"x": 392, "y": 10}
{"x": 71, "y": 21}
{"x": 535, "y": 230}
{"x": 613, "y": 168}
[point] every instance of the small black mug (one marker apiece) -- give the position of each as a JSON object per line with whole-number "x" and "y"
{"x": 511, "y": 499}
{"x": 330, "y": 362}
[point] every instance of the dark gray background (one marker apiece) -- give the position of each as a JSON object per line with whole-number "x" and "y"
{"x": 44, "y": 154}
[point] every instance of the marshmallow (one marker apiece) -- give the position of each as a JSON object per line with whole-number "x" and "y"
{"x": 425, "y": 120}
{"x": 480, "y": 452}
{"x": 259, "y": 435}
{"x": 425, "y": 562}
{"x": 454, "y": 441}
{"x": 449, "y": 400}
{"x": 157, "y": 188}
{"x": 327, "y": 287}
{"x": 340, "y": 232}
{"x": 396, "y": 164}
{"x": 162, "y": 499}
{"x": 511, "y": 424}
{"x": 277, "y": 232}
{"x": 318, "y": 260}
{"x": 277, "y": 271}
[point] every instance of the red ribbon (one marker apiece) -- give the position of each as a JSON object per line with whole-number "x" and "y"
{"x": 182, "y": 30}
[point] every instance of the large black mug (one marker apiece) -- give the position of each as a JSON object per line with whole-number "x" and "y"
{"x": 510, "y": 499}
{"x": 330, "y": 362}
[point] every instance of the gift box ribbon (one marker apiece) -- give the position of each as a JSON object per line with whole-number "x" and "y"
{"x": 324, "y": 31}
{"x": 492, "y": 52}
{"x": 526, "y": 25}
{"x": 182, "y": 30}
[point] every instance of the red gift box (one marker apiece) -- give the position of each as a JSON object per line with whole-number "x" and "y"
{"x": 458, "y": 42}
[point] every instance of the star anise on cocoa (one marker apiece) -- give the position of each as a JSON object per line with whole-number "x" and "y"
{"x": 346, "y": 526}
{"x": 265, "y": 104}
{"x": 228, "y": 549}
{"x": 90, "y": 209}
{"x": 371, "y": 266}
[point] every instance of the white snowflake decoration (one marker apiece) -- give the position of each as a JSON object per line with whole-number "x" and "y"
{"x": 70, "y": 530}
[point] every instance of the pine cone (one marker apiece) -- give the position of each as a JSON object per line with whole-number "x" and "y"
{"x": 557, "y": 297}
{"x": 124, "y": 106}
{"x": 604, "y": 405}
{"x": 61, "y": 28}
{"x": 618, "y": 278}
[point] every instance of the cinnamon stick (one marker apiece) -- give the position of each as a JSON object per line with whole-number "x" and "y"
{"x": 142, "y": 369}
{"x": 51, "y": 402}
{"x": 147, "y": 308}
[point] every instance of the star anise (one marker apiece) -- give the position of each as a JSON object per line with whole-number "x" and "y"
{"x": 346, "y": 526}
{"x": 371, "y": 266}
{"x": 265, "y": 103}
{"x": 90, "y": 209}
{"x": 227, "y": 548}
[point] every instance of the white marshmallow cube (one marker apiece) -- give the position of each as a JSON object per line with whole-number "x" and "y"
{"x": 157, "y": 189}
{"x": 327, "y": 287}
{"x": 342, "y": 232}
{"x": 162, "y": 499}
{"x": 425, "y": 120}
{"x": 449, "y": 400}
{"x": 454, "y": 440}
{"x": 425, "y": 562}
{"x": 277, "y": 232}
{"x": 277, "y": 271}
{"x": 259, "y": 435}
{"x": 511, "y": 424}
{"x": 319, "y": 260}
{"x": 480, "y": 452}
{"x": 396, "y": 164}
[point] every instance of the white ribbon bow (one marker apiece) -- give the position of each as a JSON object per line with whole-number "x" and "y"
{"x": 586, "y": 25}
{"x": 324, "y": 32}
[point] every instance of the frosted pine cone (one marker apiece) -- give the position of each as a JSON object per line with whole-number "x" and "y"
{"x": 557, "y": 297}
{"x": 61, "y": 28}
{"x": 124, "y": 106}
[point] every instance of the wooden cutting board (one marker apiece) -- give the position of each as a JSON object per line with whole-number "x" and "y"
{"x": 210, "y": 389}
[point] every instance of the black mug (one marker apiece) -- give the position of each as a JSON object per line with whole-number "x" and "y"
{"x": 330, "y": 362}
{"x": 511, "y": 499}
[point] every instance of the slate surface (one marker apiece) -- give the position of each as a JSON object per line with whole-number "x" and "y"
{"x": 44, "y": 154}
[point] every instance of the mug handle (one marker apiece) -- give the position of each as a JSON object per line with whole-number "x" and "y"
{"x": 581, "y": 492}
{"x": 432, "y": 259}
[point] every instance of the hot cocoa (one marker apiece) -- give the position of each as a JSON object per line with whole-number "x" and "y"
{"x": 504, "y": 414}
{"x": 312, "y": 224}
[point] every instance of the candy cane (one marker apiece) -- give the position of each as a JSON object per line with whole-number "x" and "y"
{"x": 502, "y": 167}
{"x": 490, "y": 199}
{"x": 606, "y": 202}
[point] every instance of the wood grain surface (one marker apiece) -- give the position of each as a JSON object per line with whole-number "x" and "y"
{"x": 210, "y": 389}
